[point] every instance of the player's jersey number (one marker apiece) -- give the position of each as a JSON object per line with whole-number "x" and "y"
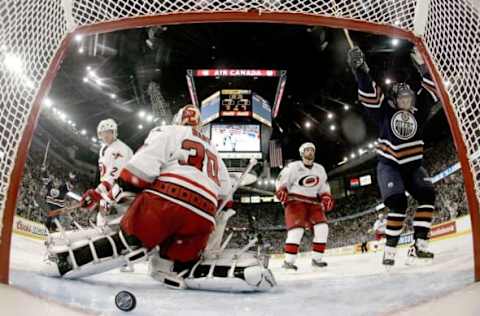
{"x": 197, "y": 159}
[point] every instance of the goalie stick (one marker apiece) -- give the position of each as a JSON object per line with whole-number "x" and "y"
{"x": 214, "y": 242}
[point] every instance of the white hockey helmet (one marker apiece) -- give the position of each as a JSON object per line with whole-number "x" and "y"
{"x": 305, "y": 146}
{"x": 107, "y": 125}
{"x": 187, "y": 115}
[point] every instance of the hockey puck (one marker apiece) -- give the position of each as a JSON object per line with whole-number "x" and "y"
{"x": 125, "y": 301}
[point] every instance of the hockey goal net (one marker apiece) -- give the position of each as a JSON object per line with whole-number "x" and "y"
{"x": 34, "y": 36}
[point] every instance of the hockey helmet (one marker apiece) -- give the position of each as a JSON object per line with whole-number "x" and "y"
{"x": 305, "y": 146}
{"x": 107, "y": 125}
{"x": 403, "y": 96}
{"x": 188, "y": 115}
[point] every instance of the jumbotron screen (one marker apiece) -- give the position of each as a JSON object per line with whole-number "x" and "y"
{"x": 236, "y": 137}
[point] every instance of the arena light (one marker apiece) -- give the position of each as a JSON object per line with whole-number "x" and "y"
{"x": 13, "y": 63}
{"x": 98, "y": 81}
{"x": 83, "y": 132}
{"x": 360, "y": 152}
{"x": 80, "y": 50}
{"x": 308, "y": 124}
{"x": 149, "y": 118}
{"x": 346, "y": 107}
{"x": 388, "y": 81}
{"x": 140, "y": 126}
{"x": 88, "y": 68}
{"x": 113, "y": 96}
{"x": 47, "y": 102}
{"x": 352, "y": 155}
{"x": 375, "y": 143}
{"x": 330, "y": 116}
{"x": 395, "y": 41}
{"x": 164, "y": 123}
{"x": 141, "y": 114}
{"x": 85, "y": 79}
{"x": 94, "y": 139}
{"x": 74, "y": 124}
{"x": 78, "y": 38}
{"x": 29, "y": 83}
{"x": 333, "y": 127}
{"x": 370, "y": 145}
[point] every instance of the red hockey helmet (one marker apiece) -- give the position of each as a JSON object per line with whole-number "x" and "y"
{"x": 188, "y": 115}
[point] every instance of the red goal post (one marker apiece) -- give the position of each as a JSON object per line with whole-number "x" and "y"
{"x": 34, "y": 36}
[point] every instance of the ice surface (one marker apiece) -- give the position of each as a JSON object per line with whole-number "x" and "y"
{"x": 351, "y": 285}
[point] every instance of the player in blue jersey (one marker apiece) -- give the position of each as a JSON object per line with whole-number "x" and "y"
{"x": 400, "y": 114}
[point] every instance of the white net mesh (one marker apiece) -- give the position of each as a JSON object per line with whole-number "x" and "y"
{"x": 31, "y": 32}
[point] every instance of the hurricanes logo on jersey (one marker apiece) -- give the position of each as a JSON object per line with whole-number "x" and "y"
{"x": 309, "y": 181}
{"x": 404, "y": 125}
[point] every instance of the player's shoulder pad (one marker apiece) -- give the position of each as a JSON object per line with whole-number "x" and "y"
{"x": 320, "y": 168}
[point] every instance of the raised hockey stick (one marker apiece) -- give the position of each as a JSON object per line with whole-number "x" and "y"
{"x": 349, "y": 39}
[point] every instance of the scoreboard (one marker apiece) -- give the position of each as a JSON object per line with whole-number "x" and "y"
{"x": 236, "y": 102}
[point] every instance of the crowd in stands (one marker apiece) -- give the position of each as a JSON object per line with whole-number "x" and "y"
{"x": 31, "y": 201}
{"x": 266, "y": 220}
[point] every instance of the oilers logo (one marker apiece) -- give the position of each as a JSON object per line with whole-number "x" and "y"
{"x": 54, "y": 193}
{"x": 404, "y": 125}
{"x": 309, "y": 181}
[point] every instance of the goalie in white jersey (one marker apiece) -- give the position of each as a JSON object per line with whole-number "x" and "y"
{"x": 181, "y": 181}
{"x": 303, "y": 189}
{"x": 113, "y": 156}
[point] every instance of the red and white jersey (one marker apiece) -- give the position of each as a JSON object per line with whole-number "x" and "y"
{"x": 303, "y": 182}
{"x": 112, "y": 158}
{"x": 188, "y": 169}
{"x": 379, "y": 226}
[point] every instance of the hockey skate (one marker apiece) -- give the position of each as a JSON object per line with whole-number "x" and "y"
{"x": 419, "y": 250}
{"x": 319, "y": 263}
{"x": 389, "y": 257}
{"x": 289, "y": 266}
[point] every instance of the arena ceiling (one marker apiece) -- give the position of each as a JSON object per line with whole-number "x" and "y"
{"x": 108, "y": 75}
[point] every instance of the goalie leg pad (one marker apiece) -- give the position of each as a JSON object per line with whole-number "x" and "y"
{"x": 92, "y": 256}
{"x": 233, "y": 271}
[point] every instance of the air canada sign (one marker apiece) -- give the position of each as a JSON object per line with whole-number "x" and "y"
{"x": 236, "y": 73}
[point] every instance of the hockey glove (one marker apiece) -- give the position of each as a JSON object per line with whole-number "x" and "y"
{"x": 90, "y": 198}
{"x": 356, "y": 60}
{"x": 418, "y": 62}
{"x": 282, "y": 195}
{"x": 327, "y": 201}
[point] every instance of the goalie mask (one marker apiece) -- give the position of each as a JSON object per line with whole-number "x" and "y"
{"x": 403, "y": 96}
{"x": 107, "y": 125}
{"x": 307, "y": 156}
{"x": 188, "y": 115}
